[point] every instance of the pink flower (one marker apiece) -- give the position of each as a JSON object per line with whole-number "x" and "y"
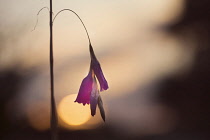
{"x": 89, "y": 92}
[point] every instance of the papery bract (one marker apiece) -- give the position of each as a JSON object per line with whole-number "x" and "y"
{"x": 94, "y": 97}
{"x": 99, "y": 74}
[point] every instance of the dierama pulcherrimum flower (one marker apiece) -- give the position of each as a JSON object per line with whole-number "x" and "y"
{"x": 89, "y": 92}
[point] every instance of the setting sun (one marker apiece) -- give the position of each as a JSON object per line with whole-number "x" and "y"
{"x": 73, "y": 113}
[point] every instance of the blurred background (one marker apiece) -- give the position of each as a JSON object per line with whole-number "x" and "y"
{"x": 154, "y": 55}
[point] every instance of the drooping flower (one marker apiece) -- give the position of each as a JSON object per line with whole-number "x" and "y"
{"x": 89, "y": 92}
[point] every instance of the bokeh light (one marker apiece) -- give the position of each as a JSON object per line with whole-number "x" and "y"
{"x": 38, "y": 115}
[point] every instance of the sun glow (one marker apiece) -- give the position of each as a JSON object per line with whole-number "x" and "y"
{"x": 72, "y": 113}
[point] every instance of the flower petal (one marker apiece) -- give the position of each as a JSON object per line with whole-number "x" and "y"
{"x": 85, "y": 90}
{"x": 95, "y": 65}
{"x": 94, "y": 97}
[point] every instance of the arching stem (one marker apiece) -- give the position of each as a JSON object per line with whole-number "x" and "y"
{"x": 79, "y": 19}
{"x": 37, "y": 19}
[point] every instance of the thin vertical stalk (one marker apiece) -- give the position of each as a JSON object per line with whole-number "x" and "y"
{"x": 53, "y": 119}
